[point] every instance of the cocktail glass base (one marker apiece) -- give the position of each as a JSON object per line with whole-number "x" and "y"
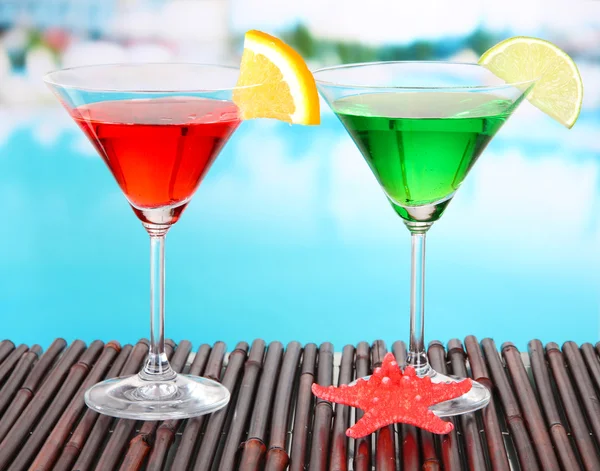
{"x": 132, "y": 397}
{"x": 477, "y": 398}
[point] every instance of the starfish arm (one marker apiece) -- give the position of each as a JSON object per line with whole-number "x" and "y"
{"x": 346, "y": 395}
{"x": 431, "y": 422}
{"x": 370, "y": 422}
{"x": 441, "y": 392}
{"x": 374, "y": 420}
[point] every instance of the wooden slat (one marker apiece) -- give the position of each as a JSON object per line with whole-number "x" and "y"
{"x": 140, "y": 444}
{"x": 277, "y": 456}
{"x": 556, "y": 428}
{"x": 362, "y": 446}
{"x": 243, "y": 407}
{"x": 165, "y": 434}
{"x": 60, "y": 433}
{"x": 93, "y": 445}
{"x": 583, "y": 383}
{"x": 468, "y": 422}
{"x": 273, "y": 422}
{"x": 29, "y": 387}
{"x": 593, "y": 363}
{"x": 303, "y": 411}
{"x": 114, "y": 450}
{"x": 193, "y": 427}
{"x": 530, "y": 407}
{"x": 208, "y": 448}
{"x": 254, "y": 448}
{"x": 84, "y": 427}
{"x": 512, "y": 411}
{"x": 6, "y": 346}
{"x": 493, "y": 432}
{"x": 338, "y": 458}
{"x": 24, "y": 423}
{"x": 11, "y": 361}
{"x": 18, "y": 375}
{"x": 570, "y": 401}
{"x": 449, "y": 444}
{"x": 323, "y": 412}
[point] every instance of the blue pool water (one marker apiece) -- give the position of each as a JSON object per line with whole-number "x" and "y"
{"x": 289, "y": 237}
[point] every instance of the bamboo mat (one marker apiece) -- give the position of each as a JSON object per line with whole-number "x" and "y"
{"x": 545, "y": 414}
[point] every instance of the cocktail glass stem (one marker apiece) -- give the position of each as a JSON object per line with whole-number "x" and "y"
{"x": 417, "y": 357}
{"x": 157, "y": 367}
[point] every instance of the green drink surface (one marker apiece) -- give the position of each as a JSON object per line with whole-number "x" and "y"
{"x": 421, "y": 145}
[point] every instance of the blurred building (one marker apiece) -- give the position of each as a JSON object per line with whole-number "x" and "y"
{"x": 164, "y": 29}
{"x": 90, "y": 16}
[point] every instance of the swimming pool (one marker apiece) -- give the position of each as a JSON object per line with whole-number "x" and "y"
{"x": 290, "y": 238}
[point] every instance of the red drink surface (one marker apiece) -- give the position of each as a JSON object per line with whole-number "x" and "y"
{"x": 158, "y": 150}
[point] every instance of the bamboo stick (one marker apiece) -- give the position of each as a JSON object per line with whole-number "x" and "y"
{"x": 29, "y": 387}
{"x": 18, "y": 375}
{"x": 338, "y": 459}
{"x": 253, "y": 449}
{"x": 11, "y": 361}
{"x": 73, "y": 381}
{"x": 141, "y": 443}
{"x": 592, "y": 363}
{"x": 449, "y": 443}
{"x": 579, "y": 430}
{"x": 80, "y": 435}
{"x": 512, "y": 411}
{"x": 362, "y": 446}
{"x": 6, "y": 346}
{"x": 304, "y": 405}
{"x": 115, "y": 447}
{"x": 208, "y": 452}
{"x": 165, "y": 434}
{"x": 411, "y": 454}
{"x": 193, "y": 427}
{"x": 93, "y": 445}
{"x": 25, "y": 421}
{"x": 277, "y": 456}
{"x": 531, "y": 409}
{"x": 493, "y": 432}
{"x": 60, "y": 433}
{"x": 558, "y": 433}
{"x": 589, "y": 398}
{"x": 468, "y": 422}
{"x": 243, "y": 407}
{"x": 323, "y": 412}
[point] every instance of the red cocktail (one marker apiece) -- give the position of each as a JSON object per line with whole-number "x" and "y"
{"x": 158, "y": 127}
{"x": 158, "y": 150}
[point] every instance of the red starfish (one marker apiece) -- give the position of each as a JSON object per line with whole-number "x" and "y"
{"x": 390, "y": 396}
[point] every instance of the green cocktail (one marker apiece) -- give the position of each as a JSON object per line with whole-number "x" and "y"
{"x": 421, "y": 126}
{"x": 420, "y": 146}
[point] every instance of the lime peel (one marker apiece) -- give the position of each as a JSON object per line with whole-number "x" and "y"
{"x": 558, "y": 89}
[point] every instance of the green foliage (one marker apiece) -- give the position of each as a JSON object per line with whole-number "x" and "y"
{"x": 311, "y": 47}
{"x": 302, "y": 40}
{"x": 354, "y": 52}
{"x": 480, "y": 41}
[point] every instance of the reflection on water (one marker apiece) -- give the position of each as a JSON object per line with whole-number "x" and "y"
{"x": 289, "y": 237}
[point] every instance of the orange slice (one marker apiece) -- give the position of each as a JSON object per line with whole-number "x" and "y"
{"x": 275, "y": 82}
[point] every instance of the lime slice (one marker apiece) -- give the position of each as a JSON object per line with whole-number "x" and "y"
{"x": 558, "y": 91}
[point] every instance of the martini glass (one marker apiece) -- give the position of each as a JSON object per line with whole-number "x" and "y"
{"x": 421, "y": 126}
{"x": 158, "y": 128}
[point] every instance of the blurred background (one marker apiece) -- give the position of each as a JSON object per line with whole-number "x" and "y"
{"x": 289, "y": 236}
